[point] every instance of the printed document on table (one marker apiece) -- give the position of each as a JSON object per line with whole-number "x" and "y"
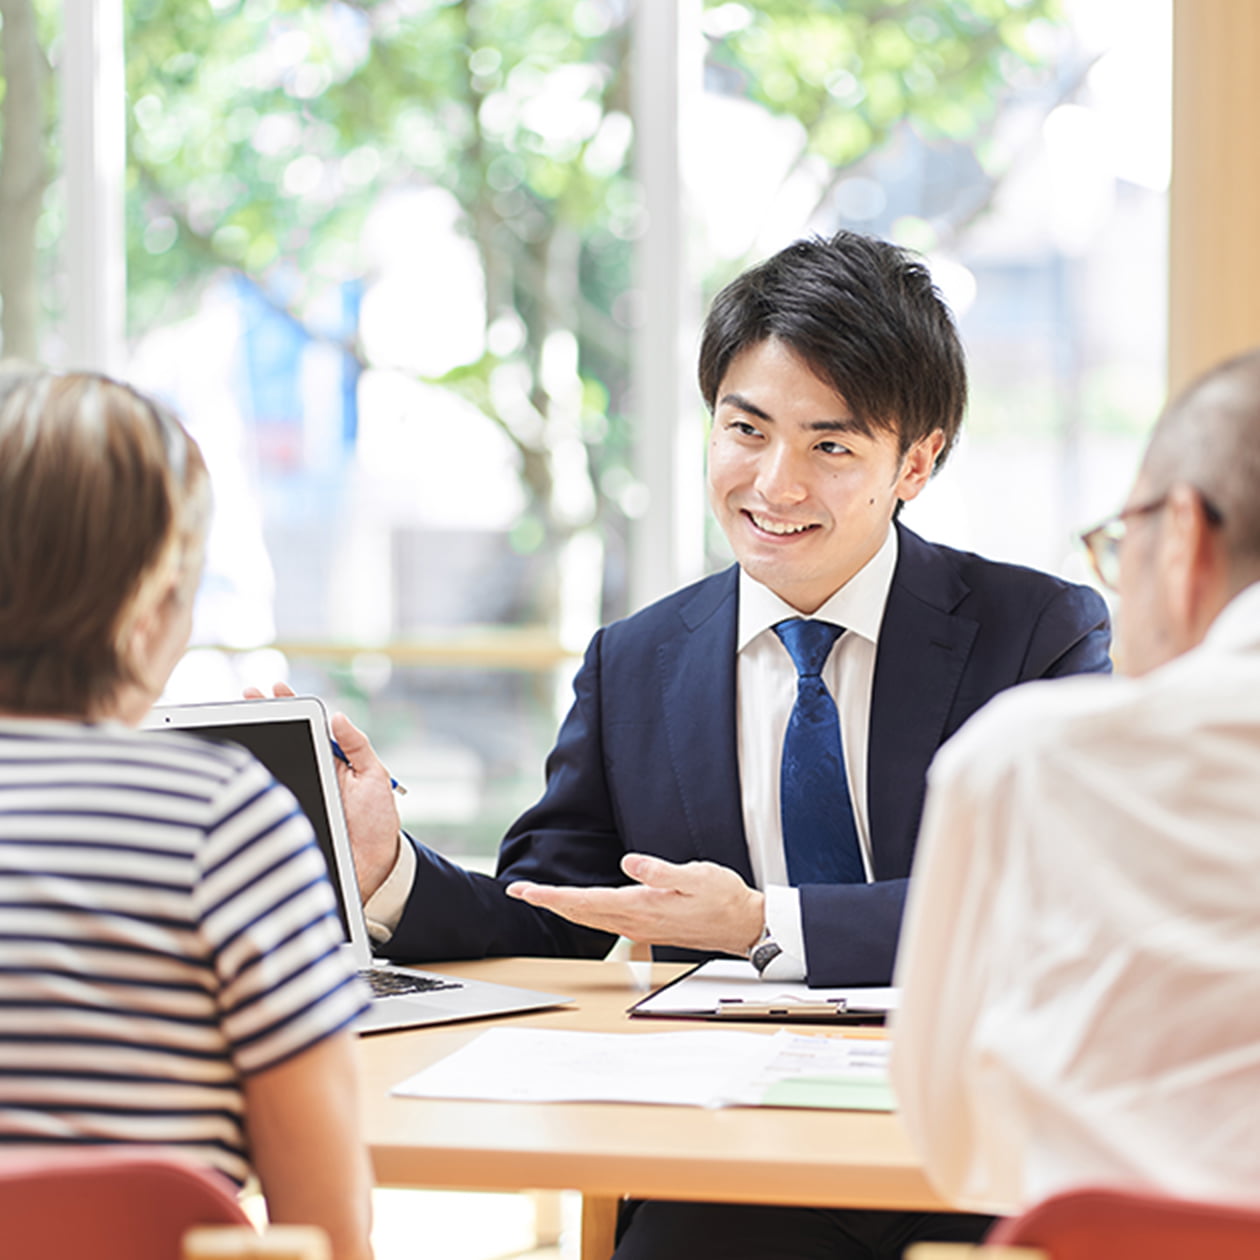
{"x": 548, "y": 1065}
{"x": 837, "y": 1073}
{"x": 701, "y": 1069}
{"x": 731, "y": 989}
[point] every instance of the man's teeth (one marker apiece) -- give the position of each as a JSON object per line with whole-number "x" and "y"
{"x": 774, "y": 527}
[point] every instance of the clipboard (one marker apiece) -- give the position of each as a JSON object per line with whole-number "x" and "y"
{"x": 729, "y": 990}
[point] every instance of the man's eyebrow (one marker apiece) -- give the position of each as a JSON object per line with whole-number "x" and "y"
{"x": 848, "y": 425}
{"x": 842, "y": 424}
{"x": 845, "y": 424}
{"x": 744, "y": 404}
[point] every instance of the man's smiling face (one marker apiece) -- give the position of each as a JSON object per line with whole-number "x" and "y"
{"x": 802, "y": 490}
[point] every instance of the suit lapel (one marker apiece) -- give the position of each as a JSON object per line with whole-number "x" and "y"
{"x": 923, "y": 649}
{"x": 696, "y": 669}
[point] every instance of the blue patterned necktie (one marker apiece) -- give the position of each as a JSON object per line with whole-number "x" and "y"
{"x": 819, "y": 834}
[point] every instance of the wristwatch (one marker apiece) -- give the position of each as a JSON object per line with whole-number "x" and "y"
{"x": 764, "y": 951}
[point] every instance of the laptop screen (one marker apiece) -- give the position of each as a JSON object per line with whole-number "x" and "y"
{"x": 286, "y": 749}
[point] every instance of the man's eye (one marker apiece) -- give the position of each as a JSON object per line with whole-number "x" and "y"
{"x": 833, "y": 448}
{"x": 743, "y": 427}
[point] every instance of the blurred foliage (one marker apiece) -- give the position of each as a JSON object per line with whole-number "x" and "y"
{"x": 29, "y": 158}
{"x": 852, "y": 72}
{"x": 263, "y": 132}
{"x": 48, "y": 23}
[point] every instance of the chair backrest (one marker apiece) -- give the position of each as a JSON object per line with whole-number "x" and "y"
{"x": 110, "y": 1203}
{"x": 1104, "y": 1224}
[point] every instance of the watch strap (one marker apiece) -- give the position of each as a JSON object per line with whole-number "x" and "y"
{"x": 764, "y": 952}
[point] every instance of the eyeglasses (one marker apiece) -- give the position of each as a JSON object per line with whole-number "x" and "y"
{"x": 1102, "y": 543}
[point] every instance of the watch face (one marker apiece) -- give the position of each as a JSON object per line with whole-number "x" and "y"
{"x": 764, "y": 955}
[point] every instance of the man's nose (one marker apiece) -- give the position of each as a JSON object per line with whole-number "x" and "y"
{"x": 781, "y": 476}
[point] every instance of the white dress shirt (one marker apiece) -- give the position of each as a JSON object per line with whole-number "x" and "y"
{"x": 766, "y": 682}
{"x": 385, "y": 906}
{"x": 1081, "y": 956}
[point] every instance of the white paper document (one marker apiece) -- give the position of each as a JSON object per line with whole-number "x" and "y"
{"x": 839, "y": 1073}
{"x": 731, "y": 989}
{"x": 700, "y": 1069}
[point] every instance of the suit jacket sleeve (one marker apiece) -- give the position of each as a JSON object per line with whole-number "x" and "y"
{"x": 851, "y": 930}
{"x": 569, "y": 837}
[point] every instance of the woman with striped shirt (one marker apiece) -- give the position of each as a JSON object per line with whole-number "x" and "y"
{"x": 169, "y": 970}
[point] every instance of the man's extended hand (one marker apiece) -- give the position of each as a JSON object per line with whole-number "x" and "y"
{"x": 366, "y": 796}
{"x": 698, "y": 905}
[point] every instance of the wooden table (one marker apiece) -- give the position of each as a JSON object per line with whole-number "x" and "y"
{"x": 607, "y": 1150}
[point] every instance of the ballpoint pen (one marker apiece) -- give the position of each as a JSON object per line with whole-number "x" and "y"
{"x": 341, "y": 756}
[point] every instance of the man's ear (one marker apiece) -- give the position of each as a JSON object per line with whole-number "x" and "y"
{"x": 1193, "y": 566}
{"x": 917, "y": 465}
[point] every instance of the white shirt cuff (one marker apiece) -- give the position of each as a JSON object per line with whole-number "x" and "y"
{"x": 783, "y": 919}
{"x": 384, "y": 907}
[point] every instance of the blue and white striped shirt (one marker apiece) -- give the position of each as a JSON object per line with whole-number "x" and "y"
{"x": 166, "y": 929}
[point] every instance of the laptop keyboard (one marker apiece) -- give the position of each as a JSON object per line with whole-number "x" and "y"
{"x": 387, "y": 983}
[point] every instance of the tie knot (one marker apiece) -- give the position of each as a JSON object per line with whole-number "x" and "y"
{"x": 808, "y": 643}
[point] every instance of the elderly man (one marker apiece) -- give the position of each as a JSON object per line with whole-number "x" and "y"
{"x": 1081, "y": 957}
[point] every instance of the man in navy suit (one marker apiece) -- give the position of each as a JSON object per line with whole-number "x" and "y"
{"x": 837, "y": 386}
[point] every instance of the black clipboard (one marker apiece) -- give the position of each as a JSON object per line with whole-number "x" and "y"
{"x": 762, "y": 1003}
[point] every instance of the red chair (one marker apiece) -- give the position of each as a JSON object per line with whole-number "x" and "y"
{"x": 1098, "y": 1224}
{"x": 124, "y": 1203}
{"x": 1095, "y": 1224}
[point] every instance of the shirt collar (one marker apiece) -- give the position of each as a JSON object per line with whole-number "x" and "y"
{"x": 858, "y": 605}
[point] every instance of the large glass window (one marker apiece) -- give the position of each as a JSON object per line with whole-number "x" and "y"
{"x": 380, "y": 260}
{"x": 383, "y": 258}
{"x": 1024, "y": 148}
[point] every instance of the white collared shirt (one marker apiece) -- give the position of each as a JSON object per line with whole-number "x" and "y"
{"x": 766, "y": 682}
{"x": 1080, "y": 962}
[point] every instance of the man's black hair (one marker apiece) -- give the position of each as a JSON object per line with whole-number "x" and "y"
{"x": 865, "y": 317}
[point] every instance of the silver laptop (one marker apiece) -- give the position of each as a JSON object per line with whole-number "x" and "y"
{"x": 290, "y": 737}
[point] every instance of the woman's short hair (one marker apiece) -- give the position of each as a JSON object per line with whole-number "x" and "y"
{"x": 104, "y": 501}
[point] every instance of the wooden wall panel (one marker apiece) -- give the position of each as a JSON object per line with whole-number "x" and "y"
{"x": 1214, "y": 210}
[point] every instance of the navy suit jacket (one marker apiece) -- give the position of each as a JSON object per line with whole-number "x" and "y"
{"x": 646, "y": 759}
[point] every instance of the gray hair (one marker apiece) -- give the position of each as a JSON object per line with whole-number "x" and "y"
{"x": 1209, "y": 437}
